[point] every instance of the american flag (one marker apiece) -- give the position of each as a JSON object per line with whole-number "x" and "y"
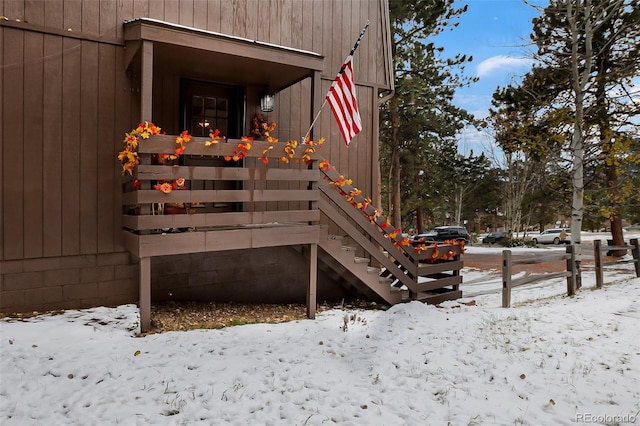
{"x": 342, "y": 99}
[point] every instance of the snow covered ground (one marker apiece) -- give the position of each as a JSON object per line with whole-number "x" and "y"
{"x": 550, "y": 360}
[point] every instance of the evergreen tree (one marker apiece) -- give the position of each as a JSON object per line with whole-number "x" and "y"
{"x": 419, "y": 124}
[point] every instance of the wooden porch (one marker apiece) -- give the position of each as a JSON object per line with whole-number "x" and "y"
{"x": 274, "y": 195}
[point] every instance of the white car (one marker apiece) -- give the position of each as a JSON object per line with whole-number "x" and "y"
{"x": 553, "y": 236}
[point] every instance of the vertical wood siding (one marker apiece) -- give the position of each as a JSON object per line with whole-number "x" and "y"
{"x": 32, "y": 146}
{"x": 107, "y": 180}
{"x": 2, "y": 145}
{"x": 13, "y": 181}
{"x": 70, "y": 161}
{"x": 66, "y": 102}
{"x": 52, "y": 141}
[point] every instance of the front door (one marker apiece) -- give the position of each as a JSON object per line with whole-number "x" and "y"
{"x": 206, "y": 107}
{"x": 209, "y": 106}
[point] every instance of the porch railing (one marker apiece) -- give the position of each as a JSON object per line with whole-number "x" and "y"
{"x": 266, "y": 198}
{"x": 225, "y": 204}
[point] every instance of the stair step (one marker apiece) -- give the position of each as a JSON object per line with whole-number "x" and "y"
{"x": 383, "y": 280}
{"x": 349, "y": 248}
{"x": 361, "y": 259}
{"x": 373, "y": 270}
{"x": 402, "y": 294}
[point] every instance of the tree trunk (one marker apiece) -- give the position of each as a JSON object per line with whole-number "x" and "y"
{"x": 615, "y": 218}
{"x": 419, "y": 217}
{"x": 577, "y": 205}
{"x": 581, "y": 64}
{"x": 609, "y": 151}
{"x": 396, "y": 212}
{"x": 459, "y": 198}
{"x": 612, "y": 182}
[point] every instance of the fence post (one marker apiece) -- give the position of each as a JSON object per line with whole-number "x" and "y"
{"x": 635, "y": 251}
{"x": 571, "y": 268}
{"x": 506, "y": 278}
{"x": 597, "y": 260}
{"x": 144, "y": 276}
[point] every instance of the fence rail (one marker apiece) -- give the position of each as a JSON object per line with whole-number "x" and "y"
{"x": 598, "y": 248}
{"x": 508, "y": 282}
{"x": 508, "y": 261}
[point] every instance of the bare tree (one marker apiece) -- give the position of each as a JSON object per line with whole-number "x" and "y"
{"x": 521, "y": 179}
{"x": 581, "y": 70}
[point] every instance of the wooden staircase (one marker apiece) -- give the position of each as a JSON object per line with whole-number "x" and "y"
{"x": 341, "y": 263}
{"x": 402, "y": 272}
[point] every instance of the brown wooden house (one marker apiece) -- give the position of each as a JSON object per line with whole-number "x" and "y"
{"x": 76, "y": 75}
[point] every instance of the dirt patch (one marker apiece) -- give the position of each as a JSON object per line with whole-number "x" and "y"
{"x": 180, "y": 316}
{"x": 488, "y": 263}
{"x": 176, "y": 316}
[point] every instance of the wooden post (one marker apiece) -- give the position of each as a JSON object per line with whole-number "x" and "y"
{"x": 146, "y": 81}
{"x": 635, "y": 252}
{"x": 506, "y": 278}
{"x": 312, "y": 261}
{"x": 597, "y": 260}
{"x": 145, "y": 294}
{"x": 146, "y": 107}
{"x": 571, "y": 268}
{"x": 455, "y": 273}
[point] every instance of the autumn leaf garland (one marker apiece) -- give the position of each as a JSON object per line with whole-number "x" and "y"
{"x": 354, "y": 197}
{"x": 129, "y": 158}
{"x": 129, "y": 155}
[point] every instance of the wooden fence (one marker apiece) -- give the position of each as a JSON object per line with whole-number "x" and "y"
{"x": 598, "y": 248}
{"x": 508, "y": 282}
{"x": 569, "y": 256}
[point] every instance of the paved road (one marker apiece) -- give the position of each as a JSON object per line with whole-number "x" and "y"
{"x": 492, "y": 260}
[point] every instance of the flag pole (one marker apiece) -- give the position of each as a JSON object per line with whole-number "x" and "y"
{"x": 355, "y": 46}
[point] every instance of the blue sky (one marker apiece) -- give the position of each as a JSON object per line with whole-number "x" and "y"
{"x": 496, "y": 33}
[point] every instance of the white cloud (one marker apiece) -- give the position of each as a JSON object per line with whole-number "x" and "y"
{"x": 476, "y": 104}
{"x": 478, "y": 141}
{"x": 501, "y": 63}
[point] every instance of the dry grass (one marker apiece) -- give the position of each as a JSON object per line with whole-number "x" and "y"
{"x": 180, "y": 316}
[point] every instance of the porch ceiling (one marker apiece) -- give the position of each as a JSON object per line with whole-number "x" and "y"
{"x": 222, "y": 57}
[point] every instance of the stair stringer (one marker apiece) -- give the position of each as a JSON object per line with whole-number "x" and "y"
{"x": 351, "y": 272}
{"x": 378, "y": 247}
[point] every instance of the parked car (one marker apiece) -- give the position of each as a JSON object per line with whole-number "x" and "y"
{"x": 495, "y": 237}
{"x": 441, "y": 234}
{"x": 553, "y": 236}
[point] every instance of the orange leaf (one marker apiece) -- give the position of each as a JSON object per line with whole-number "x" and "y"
{"x": 166, "y": 187}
